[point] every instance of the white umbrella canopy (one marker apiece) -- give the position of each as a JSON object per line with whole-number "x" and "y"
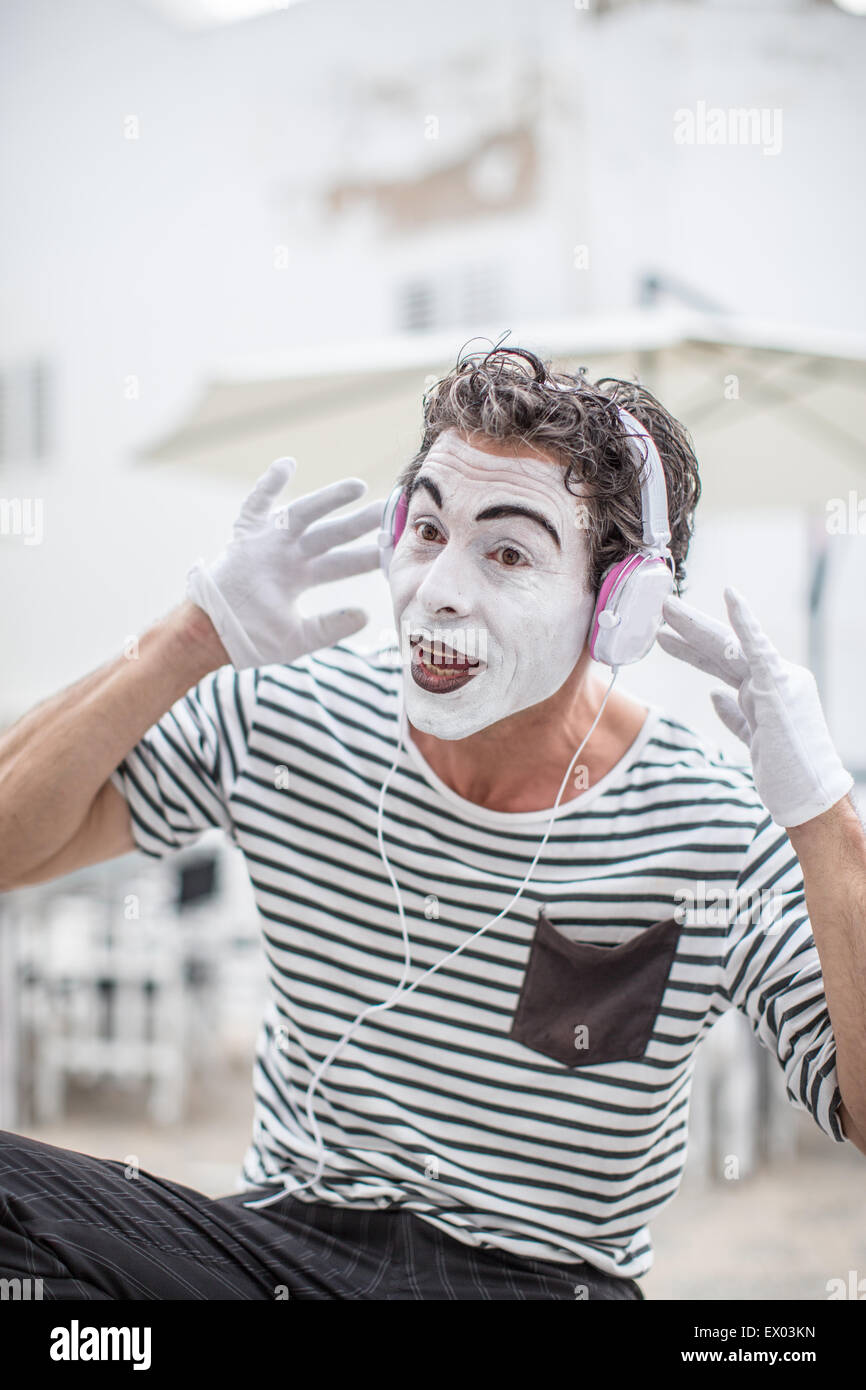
{"x": 771, "y": 426}
{"x": 336, "y": 425}
{"x": 778, "y": 417}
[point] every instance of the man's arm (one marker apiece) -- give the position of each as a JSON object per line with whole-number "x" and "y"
{"x": 58, "y": 811}
{"x": 802, "y": 782}
{"x": 831, "y": 849}
{"x": 850, "y": 1130}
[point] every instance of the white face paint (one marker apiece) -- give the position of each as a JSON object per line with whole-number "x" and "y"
{"x": 496, "y": 589}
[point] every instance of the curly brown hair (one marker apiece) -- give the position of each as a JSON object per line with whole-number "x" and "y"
{"x": 509, "y": 393}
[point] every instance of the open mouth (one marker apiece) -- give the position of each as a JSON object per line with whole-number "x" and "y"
{"x": 440, "y": 669}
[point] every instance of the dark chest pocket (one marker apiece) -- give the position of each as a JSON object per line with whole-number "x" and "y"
{"x": 583, "y": 1005}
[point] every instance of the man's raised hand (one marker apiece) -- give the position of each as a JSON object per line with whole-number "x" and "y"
{"x": 251, "y": 591}
{"x": 776, "y": 710}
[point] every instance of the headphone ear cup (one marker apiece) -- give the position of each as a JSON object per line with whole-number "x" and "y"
{"x": 393, "y": 526}
{"x": 593, "y": 634}
{"x": 628, "y": 613}
{"x": 400, "y": 513}
{"x": 602, "y": 618}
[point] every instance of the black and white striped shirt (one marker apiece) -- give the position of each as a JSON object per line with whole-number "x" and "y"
{"x": 433, "y": 1106}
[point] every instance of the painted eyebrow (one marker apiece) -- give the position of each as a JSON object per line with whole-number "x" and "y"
{"x": 489, "y": 513}
{"x": 420, "y": 480}
{"x": 510, "y": 509}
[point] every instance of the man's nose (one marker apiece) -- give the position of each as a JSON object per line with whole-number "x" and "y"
{"x": 444, "y": 588}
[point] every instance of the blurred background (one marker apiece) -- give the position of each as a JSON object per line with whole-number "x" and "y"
{"x": 237, "y": 230}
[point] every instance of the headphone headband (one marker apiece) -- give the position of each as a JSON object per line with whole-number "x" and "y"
{"x": 653, "y": 489}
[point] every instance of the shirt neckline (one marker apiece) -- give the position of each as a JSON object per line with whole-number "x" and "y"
{"x": 471, "y": 811}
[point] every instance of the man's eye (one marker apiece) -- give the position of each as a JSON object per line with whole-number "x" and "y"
{"x": 510, "y": 556}
{"x": 427, "y": 531}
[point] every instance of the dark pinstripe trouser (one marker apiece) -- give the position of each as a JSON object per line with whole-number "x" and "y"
{"x": 88, "y": 1232}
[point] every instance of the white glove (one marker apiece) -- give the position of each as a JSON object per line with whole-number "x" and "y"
{"x": 777, "y": 712}
{"x": 250, "y": 592}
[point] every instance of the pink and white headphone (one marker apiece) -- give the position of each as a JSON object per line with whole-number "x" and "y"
{"x": 628, "y": 610}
